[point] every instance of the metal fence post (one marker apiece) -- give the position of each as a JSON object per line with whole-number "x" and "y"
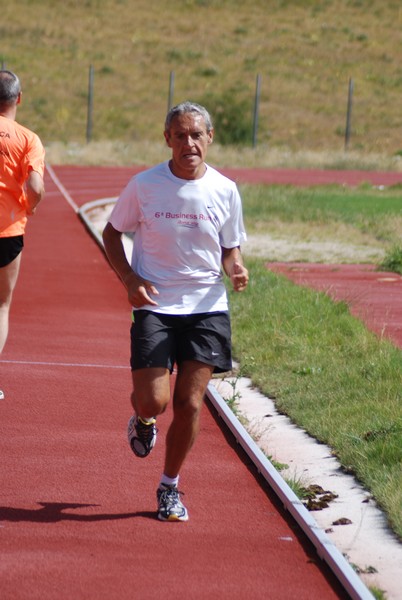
{"x": 256, "y": 109}
{"x": 171, "y": 90}
{"x": 90, "y": 103}
{"x": 349, "y": 114}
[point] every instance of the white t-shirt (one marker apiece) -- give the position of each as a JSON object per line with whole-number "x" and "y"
{"x": 180, "y": 226}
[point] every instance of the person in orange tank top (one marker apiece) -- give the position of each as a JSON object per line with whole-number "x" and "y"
{"x": 22, "y": 164}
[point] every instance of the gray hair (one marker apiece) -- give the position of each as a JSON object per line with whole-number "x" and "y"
{"x": 189, "y": 107}
{"x": 10, "y": 87}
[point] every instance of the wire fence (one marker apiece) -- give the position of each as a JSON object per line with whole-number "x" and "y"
{"x": 248, "y": 136}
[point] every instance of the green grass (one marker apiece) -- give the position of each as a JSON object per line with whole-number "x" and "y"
{"x": 326, "y": 371}
{"x": 362, "y": 206}
{"x": 393, "y": 260}
{"x": 377, "y": 593}
{"x": 375, "y": 214}
{"x": 305, "y": 52}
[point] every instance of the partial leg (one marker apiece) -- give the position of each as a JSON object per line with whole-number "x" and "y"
{"x": 150, "y": 396}
{"x": 8, "y": 280}
{"x": 191, "y": 384}
{"x": 151, "y": 391}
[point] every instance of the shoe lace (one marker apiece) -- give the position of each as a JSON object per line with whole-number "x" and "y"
{"x": 170, "y": 496}
{"x": 145, "y": 431}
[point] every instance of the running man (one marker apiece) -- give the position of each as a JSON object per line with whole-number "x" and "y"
{"x": 22, "y": 164}
{"x": 188, "y": 224}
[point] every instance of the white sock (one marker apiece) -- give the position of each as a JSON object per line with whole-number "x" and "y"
{"x": 149, "y": 421}
{"x": 165, "y": 480}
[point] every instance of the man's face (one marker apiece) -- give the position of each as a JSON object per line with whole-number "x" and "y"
{"x": 189, "y": 140}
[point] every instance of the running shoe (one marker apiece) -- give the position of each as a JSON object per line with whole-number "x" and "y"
{"x": 141, "y": 435}
{"x": 170, "y": 507}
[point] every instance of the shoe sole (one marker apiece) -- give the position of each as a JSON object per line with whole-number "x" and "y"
{"x": 173, "y": 518}
{"x": 136, "y": 452}
{"x": 131, "y": 431}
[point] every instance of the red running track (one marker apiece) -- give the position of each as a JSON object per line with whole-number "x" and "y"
{"x": 77, "y": 510}
{"x": 373, "y": 296}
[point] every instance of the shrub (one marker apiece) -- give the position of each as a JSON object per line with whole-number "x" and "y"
{"x": 392, "y": 260}
{"x": 231, "y": 116}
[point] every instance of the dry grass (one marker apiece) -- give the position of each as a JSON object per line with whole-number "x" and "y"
{"x": 305, "y": 52}
{"x": 312, "y": 242}
{"x": 148, "y": 153}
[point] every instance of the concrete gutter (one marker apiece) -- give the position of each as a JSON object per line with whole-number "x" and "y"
{"x": 326, "y": 550}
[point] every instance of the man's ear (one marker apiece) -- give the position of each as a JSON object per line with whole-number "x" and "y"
{"x": 167, "y": 138}
{"x": 19, "y": 98}
{"x": 210, "y": 136}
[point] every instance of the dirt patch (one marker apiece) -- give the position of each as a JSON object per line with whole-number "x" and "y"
{"x": 330, "y": 251}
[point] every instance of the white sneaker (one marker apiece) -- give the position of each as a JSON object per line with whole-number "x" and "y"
{"x": 170, "y": 507}
{"x": 141, "y": 435}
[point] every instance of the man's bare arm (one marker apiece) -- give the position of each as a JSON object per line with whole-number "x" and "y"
{"x": 35, "y": 190}
{"x": 138, "y": 289}
{"x": 232, "y": 263}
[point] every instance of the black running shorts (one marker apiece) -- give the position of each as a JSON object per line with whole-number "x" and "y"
{"x": 159, "y": 340}
{"x": 10, "y": 247}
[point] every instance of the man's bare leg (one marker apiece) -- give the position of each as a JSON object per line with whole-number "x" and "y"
{"x": 191, "y": 384}
{"x": 8, "y": 280}
{"x": 150, "y": 396}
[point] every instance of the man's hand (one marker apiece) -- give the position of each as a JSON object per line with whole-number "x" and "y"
{"x": 239, "y": 277}
{"x": 233, "y": 266}
{"x": 139, "y": 291}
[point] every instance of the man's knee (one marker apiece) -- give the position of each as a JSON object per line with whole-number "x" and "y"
{"x": 149, "y": 406}
{"x": 151, "y": 391}
{"x": 5, "y": 300}
{"x": 187, "y": 408}
{"x": 8, "y": 281}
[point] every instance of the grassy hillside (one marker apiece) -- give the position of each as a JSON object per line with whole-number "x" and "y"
{"x": 305, "y": 52}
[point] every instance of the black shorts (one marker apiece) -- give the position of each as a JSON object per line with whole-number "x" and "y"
{"x": 159, "y": 340}
{"x": 10, "y": 247}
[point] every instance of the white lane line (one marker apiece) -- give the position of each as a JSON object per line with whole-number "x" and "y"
{"x": 62, "y": 364}
{"x": 61, "y": 188}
